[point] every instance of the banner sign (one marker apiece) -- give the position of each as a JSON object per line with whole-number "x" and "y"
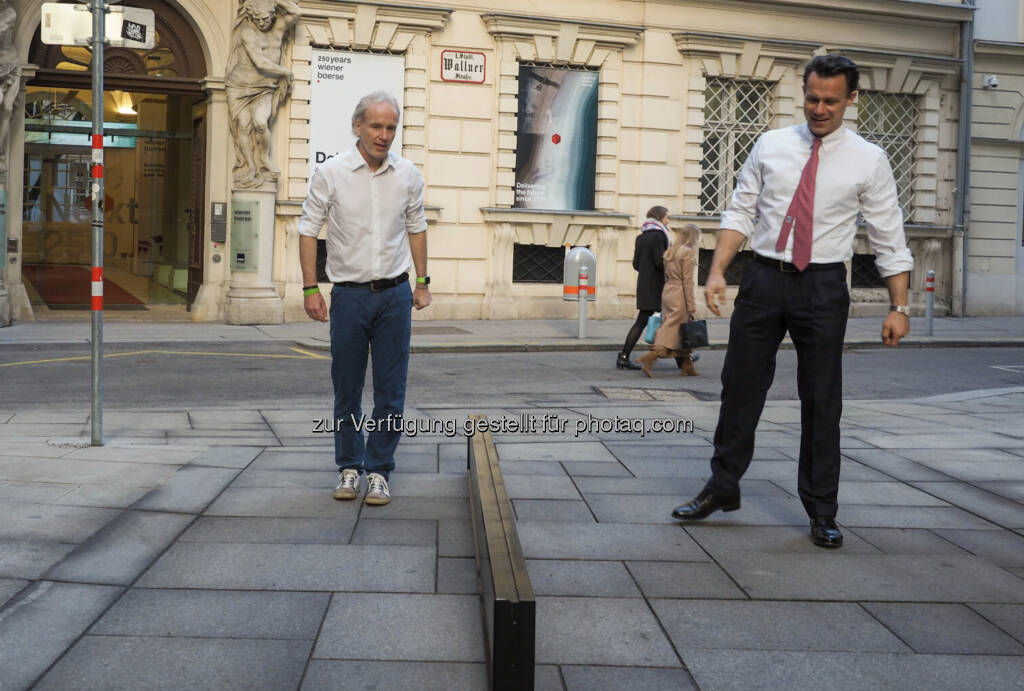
{"x": 467, "y": 67}
{"x": 556, "y": 142}
{"x": 340, "y": 79}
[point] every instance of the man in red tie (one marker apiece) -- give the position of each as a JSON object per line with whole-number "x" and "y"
{"x": 797, "y": 201}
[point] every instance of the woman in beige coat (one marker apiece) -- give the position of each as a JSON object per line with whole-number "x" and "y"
{"x": 677, "y": 303}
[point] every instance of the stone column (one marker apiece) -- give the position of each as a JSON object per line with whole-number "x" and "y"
{"x": 252, "y": 298}
{"x": 499, "y": 303}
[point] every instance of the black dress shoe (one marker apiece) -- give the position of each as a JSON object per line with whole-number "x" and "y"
{"x": 704, "y": 505}
{"x": 623, "y": 362}
{"x": 825, "y": 533}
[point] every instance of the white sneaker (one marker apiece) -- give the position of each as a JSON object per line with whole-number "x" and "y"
{"x": 377, "y": 492}
{"x": 348, "y": 484}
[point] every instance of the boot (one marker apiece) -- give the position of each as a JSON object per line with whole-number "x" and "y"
{"x": 647, "y": 361}
{"x": 688, "y": 370}
{"x": 623, "y": 362}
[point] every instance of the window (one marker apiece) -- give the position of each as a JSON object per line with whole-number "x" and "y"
{"x": 733, "y": 273}
{"x": 736, "y": 112}
{"x": 537, "y": 263}
{"x": 864, "y": 273}
{"x": 890, "y": 121}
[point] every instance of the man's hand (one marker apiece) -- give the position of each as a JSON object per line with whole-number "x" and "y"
{"x": 421, "y": 297}
{"x": 895, "y": 327}
{"x": 714, "y": 292}
{"x": 315, "y": 306}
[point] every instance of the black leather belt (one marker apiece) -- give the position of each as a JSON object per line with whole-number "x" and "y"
{"x": 378, "y": 285}
{"x": 791, "y": 268}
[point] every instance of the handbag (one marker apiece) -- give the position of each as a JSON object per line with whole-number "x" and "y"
{"x": 694, "y": 334}
{"x": 653, "y": 324}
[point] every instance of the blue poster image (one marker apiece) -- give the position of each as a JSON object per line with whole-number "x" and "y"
{"x": 556, "y": 145}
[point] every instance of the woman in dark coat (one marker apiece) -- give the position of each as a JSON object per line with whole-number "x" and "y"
{"x": 648, "y": 252}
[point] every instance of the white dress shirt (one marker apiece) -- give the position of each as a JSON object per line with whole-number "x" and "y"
{"x": 368, "y": 214}
{"x": 853, "y": 176}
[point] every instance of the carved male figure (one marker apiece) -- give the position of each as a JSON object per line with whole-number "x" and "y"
{"x": 257, "y": 83}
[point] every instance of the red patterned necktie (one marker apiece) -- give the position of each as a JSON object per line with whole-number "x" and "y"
{"x": 801, "y": 213}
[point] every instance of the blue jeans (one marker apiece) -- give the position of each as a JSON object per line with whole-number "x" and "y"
{"x": 378, "y": 323}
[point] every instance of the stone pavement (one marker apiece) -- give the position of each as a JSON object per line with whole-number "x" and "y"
{"x": 201, "y": 549}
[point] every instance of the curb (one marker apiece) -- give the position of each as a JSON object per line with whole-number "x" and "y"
{"x": 608, "y": 346}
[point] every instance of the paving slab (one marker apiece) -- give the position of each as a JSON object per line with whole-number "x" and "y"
{"x": 30, "y": 558}
{"x": 943, "y": 629}
{"x": 1009, "y": 618}
{"x": 619, "y": 678}
{"x": 457, "y": 576}
{"x": 280, "y": 502}
{"x": 979, "y": 471}
{"x": 833, "y": 575}
{"x": 883, "y": 493}
{"x": 330, "y": 675}
{"x": 554, "y": 451}
{"x": 214, "y": 614}
{"x": 741, "y": 670}
{"x": 411, "y": 635}
{"x": 293, "y": 567}
{"x": 227, "y": 456}
{"x": 1001, "y": 511}
{"x": 690, "y": 580}
{"x": 669, "y": 452}
{"x": 547, "y": 678}
{"x": 9, "y": 587}
{"x": 961, "y": 440}
{"x": 544, "y": 468}
{"x": 617, "y": 631}
{"x": 34, "y": 450}
{"x": 583, "y": 578}
{"x": 719, "y": 539}
{"x": 38, "y": 626}
{"x": 747, "y": 625}
{"x": 122, "y": 550}
{"x": 559, "y": 540}
{"x": 904, "y": 540}
{"x": 102, "y": 496}
{"x": 894, "y": 465}
{"x": 1011, "y": 490}
{"x": 865, "y": 516}
{"x": 455, "y": 538}
{"x": 316, "y": 531}
{"x": 51, "y": 521}
{"x": 103, "y": 663}
{"x": 552, "y": 510}
{"x": 397, "y": 531}
{"x": 1000, "y": 547}
{"x": 190, "y": 490}
{"x": 321, "y": 480}
{"x": 82, "y": 472}
{"x": 598, "y": 469}
{"x": 133, "y": 454}
{"x": 33, "y": 492}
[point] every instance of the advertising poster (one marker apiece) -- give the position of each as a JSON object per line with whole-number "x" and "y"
{"x": 556, "y": 145}
{"x": 339, "y": 80}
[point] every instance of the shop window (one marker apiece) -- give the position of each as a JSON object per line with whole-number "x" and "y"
{"x": 733, "y": 273}
{"x": 890, "y": 121}
{"x": 537, "y": 263}
{"x": 736, "y": 112}
{"x": 556, "y": 138}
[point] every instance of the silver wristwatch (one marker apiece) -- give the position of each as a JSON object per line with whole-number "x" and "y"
{"x": 902, "y": 309}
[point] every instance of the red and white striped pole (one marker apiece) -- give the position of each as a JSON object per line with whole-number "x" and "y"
{"x": 929, "y": 304}
{"x": 99, "y": 10}
{"x": 582, "y": 292}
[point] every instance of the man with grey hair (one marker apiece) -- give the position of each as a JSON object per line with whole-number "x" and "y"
{"x": 372, "y": 202}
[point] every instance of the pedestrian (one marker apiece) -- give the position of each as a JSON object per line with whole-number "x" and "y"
{"x": 677, "y": 303}
{"x": 648, "y": 251}
{"x": 372, "y": 202}
{"x": 797, "y": 200}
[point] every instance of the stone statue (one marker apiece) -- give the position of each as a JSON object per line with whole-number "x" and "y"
{"x": 10, "y": 80}
{"x": 257, "y": 83}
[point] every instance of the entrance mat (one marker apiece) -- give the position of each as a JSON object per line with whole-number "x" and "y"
{"x": 69, "y": 288}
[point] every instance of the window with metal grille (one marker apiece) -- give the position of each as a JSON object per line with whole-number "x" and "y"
{"x": 733, "y": 273}
{"x": 537, "y": 263}
{"x": 890, "y": 121}
{"x": 736, "y": 112}
{"x": 864, "y": 273}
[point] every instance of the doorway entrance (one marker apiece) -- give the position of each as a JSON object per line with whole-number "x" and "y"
{"x": 154, "y": 173}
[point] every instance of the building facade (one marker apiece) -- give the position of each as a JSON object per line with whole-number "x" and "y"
{"x": 549, "y": 125}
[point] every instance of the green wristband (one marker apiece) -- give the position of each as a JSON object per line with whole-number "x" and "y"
{"x": 310, "y": 291}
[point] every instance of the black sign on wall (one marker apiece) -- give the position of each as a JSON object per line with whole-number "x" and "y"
{"x": 133, "y": 31}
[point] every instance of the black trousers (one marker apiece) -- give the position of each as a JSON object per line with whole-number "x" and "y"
{"x": 813, "y": 306}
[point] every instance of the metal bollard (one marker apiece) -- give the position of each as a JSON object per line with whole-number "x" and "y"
{"x": 584, "y": 280}
{"x": 929, "y": 288}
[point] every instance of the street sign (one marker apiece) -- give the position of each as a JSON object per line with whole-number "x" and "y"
{"x": 128, "y": 27}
